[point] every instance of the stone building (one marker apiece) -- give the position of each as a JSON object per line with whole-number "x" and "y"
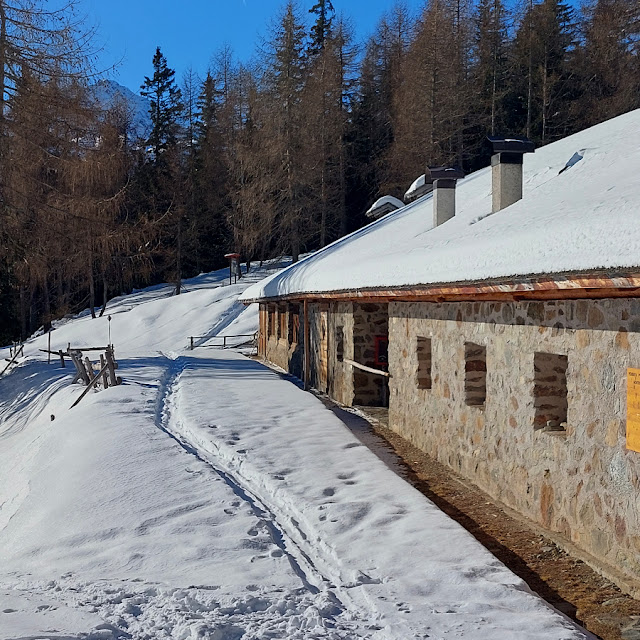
{"x": 502, "y": 339}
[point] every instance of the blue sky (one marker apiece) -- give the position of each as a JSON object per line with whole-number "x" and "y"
{"x": 189, "y": 32}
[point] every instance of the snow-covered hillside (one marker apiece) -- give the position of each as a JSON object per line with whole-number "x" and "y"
{"x": 109, "y": 92}
{"x": 208, "y": 497}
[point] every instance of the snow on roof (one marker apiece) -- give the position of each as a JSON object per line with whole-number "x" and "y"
{"x": 384, "y": 205}
{"x": 416, "y": 186}
{"x": 585, "y": 219}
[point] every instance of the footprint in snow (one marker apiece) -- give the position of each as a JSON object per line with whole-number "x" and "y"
{"x": 329, "y": 491}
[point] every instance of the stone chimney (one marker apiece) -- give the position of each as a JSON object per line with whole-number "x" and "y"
{"x": 444, "y": 192}
{"x": 506, "y": 170}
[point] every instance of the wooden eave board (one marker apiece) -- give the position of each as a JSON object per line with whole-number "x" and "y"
{"x": 544, "y": 288}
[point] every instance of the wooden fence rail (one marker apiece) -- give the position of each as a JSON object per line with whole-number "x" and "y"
{"x": 13, "y": 358}
{"x": 253, "y": 336}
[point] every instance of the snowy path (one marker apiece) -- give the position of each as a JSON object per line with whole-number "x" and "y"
{"x": 314, "y": 563}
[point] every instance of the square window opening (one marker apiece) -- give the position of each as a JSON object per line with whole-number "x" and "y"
{"x": 423, "y": 373}
{"x": 475, "y": 374}
{"x": 550, "y": 390}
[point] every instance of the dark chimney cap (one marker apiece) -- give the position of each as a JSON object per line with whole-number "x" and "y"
{"x": 443, "y": 173}
{"x": 511, "y": 145}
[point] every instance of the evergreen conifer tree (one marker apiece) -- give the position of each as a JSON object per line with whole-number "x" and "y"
{"x": 321, "y": 29}
{"x": 165, "y": 106}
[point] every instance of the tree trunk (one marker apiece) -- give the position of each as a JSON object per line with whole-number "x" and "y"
{"x": 105, "y": 293}
{"x": 23, "y": 313}
{"x": 179, "y": 258}
{"x": 46, "y": 300}
{"x": 530, "y": 86}
{"x": 92, "y": 290}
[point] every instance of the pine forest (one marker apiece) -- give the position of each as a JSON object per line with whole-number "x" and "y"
{"x": 278, "y": 156}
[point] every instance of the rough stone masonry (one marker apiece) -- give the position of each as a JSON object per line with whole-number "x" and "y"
{"x": 549, "y": 438}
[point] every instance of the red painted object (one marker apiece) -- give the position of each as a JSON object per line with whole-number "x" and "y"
{"x": 382, "y": 352}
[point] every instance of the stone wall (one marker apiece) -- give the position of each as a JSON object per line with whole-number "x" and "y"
{"x": 333, "y": 326}
{"x": 580, "y": 482}
{"x": 276, "y": 345}
{"x": 369, "y": 321}
{"x": 341, "y": 374}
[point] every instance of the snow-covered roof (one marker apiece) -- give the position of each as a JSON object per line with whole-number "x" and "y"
{"x": 384, "y": 205}
{"x": 419, "y": 187}
{"x": 585, "y": 219}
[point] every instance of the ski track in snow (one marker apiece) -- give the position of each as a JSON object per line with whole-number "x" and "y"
{"x": 138, "y": 609}
{"x": 284, "y": 529}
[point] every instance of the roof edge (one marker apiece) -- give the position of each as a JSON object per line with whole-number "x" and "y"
{"x": 544, "y": 287}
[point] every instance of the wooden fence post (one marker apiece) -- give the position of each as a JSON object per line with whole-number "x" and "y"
{"x": 90, "y": 372}
{"x": 111, "y": 366}
{"x": 105, "y": 379}
{"x": 76, "y": 358}
{"x": 191, "y": 338}
{"x": 89, "y": 386}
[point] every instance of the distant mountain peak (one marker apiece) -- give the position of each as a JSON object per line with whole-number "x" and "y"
{"x": 107, "y": 92}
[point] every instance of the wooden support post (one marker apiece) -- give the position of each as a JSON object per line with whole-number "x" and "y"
{"x": 105, "y": 378}
{"x": 61, "y": 358}
{"x": 224, "y": 342}
{"x": 191, "y": 338}
{"x": 111, "y": 366}
{"x": 49, "y": 346}
{"x": 81, "y": 372}
{"x": 307, "y": 353}
{"x": 89, "y": 367}
{"x": 90, "y": 386}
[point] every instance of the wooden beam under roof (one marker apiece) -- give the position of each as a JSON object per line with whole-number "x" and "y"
{"x": 560, "y": 287}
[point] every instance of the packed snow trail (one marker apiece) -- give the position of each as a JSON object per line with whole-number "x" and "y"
{"x": 174, "y": 428}
{"x": 268, "y": 437}
{"x": 208, "y": 497}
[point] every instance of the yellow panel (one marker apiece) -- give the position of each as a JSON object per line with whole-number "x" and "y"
{"x": 633, "y": 409}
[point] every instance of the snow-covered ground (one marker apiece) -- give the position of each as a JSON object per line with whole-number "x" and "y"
{"x": 209, "y": 497}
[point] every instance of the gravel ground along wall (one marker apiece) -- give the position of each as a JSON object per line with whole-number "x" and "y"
{"x": 528, "y": 400}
